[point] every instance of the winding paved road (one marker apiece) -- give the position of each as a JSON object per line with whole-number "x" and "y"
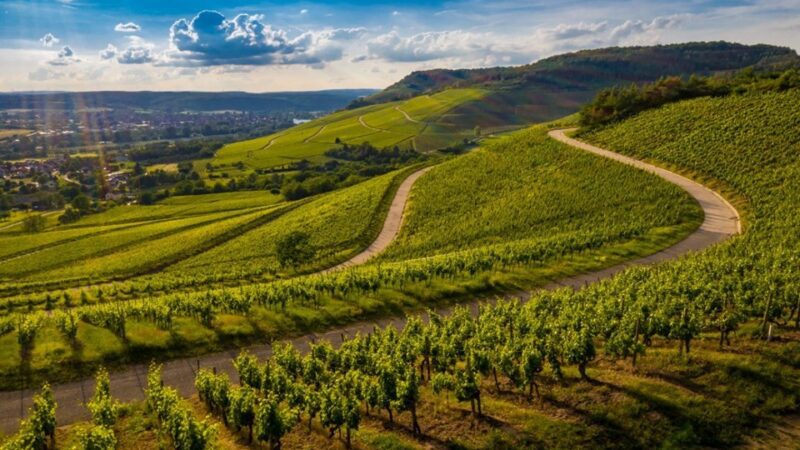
{"x": 721, "y": 221}
{"x": 391, "y": 225}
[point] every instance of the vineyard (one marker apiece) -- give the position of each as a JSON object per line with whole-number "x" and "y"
{"x": 532, "y": 188}
{"x": 409, "y": 124}
{"x": 698, "y": 352}
{"x": 190, "y": 307}
{"x": 195, "y": 241}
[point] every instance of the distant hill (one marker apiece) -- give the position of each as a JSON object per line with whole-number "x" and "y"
{"x": 557, "y": 86}
{"x": 184, "y": 101}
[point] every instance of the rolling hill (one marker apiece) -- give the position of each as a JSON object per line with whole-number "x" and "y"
{"x": 554, "y": 87}
{"x": 421, "y": 123}
{"x": 438, "y": 108}
{"x": 595, "y": 367}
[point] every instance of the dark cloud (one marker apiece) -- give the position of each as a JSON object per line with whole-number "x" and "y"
{"x": 210, "y": 39}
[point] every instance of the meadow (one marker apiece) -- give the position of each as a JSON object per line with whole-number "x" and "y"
{"x": 6, "y": 133}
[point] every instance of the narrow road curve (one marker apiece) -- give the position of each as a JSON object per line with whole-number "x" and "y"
{"x": 320, "y": 130}
{"x": 391, "y": 225}
{"x": 370, "y": 127}
{"x": 408, "y": 118}
{"x": 269, "y": 144}
{"x": 721, "y": 218}
{"x": 721, "y": 221}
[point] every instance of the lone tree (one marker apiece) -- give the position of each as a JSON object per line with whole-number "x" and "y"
{"x": 33, "y": 223}
{"x": 294, "y": 249}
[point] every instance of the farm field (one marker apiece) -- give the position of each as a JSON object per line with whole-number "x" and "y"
{"x": 215, "y": 235}
{"x": 338, "y": 224}
{"x": 6, "y": 133}
{"x": 527, "y": 187}
{"x": 203, "y": 318}
{"x": 407, "y": 124}
{"x": 673, "y": 355}
{"x": 681, "y": 344}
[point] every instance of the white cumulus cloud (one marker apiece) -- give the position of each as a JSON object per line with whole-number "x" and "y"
{"x": 129, "y": 27}
{"x": 48, "y": 40}
{"x": 64, "y": 57}
{"x": 210, "y": 39}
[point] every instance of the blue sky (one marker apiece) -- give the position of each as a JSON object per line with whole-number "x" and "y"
{"x": 270, "y": 46}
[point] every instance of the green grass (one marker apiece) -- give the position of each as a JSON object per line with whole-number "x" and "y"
{"x": 182, "y": 206}
{"x": 7, "y": 133}
{"x": 380, "y": 125}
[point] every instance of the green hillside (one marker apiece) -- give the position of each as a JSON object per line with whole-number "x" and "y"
{"x": 559, "y": 85}
{"x": 420, "y": 123}
{"x": 675, "y": 355}
{"x": 435, "y": 109}
{"x": 194, "y": 289}
{"x": 213, "y": 236}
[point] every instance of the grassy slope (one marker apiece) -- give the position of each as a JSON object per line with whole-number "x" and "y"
{"x": 336, "y": 223}
{"x": 558, "y": 85}
{"x": 381, "y": 125}
{"x": 128, "y": 240}
{"x": 528, "y": 186}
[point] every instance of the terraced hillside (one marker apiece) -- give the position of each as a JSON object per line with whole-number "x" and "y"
{"x": 700, "y": 352}
{"x": 191, "y": 238}
{"x": 212, "y": 296}
{"x": 436, "y": 109}
{"x": 418, "y": 123}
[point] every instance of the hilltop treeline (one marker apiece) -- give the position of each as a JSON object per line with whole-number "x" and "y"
{"x": 617, "y": 103}
{"x": 370, "y": 154}
{"x": 351, "y": 164}
{"x": 589, "y": 70}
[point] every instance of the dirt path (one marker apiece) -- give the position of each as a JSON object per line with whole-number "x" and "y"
{"x": 721, "y": 222}
{"x": 408, "y": 118}
{"x": 320, "y": 130}
{"x": 369, "y": 127}
{"x": 269, "y": 144}
{"x": 391, "y": 225}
